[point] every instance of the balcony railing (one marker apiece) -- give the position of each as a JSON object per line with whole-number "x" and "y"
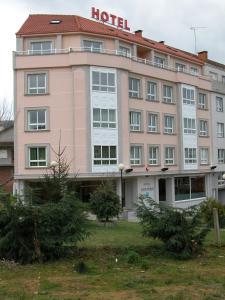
{"x": 110, "y": 52}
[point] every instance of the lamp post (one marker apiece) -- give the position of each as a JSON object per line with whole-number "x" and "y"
{"x": 121, "y": 168}
{"x": 223, "y": 176}
{"x": 53, "y": 165}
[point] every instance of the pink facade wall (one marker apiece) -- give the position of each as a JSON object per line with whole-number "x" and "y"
{"x": 68, "y": 104}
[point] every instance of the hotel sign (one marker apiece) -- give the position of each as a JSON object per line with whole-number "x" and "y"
{"x": 106, "y": 17}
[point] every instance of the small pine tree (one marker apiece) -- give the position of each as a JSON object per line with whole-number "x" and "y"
{"x": 181, "y": 230}
{"x": 104, "y": 202}
{"x": 39, "y": 228}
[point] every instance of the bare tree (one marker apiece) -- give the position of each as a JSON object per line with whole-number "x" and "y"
{"x": 6, "y": 113}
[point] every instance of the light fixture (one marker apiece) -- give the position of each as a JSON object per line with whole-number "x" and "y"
{"x": 164, "y": 169}
{"x": 121, "y": 167}
{"x": 213, "y": 167}
{"x": 53, "y": 164}
{"x": 223, "y": 176}
{"x": 128, "y": 170}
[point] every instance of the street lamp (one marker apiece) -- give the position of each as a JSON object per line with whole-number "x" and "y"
{"x": 121, "y": 168}
{"x": 223, "y": 176}
{"x": 53, "y": 165}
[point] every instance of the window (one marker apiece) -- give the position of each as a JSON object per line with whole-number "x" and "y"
{"x": 37, "y": 156}
{"x": 105, "y": 155}
{"x": 41, "y": 47}
{"x": 153, "y": 122}
{"x": 189, "y": 126}
{"x": 124, "y": 51}
{"x": 194, "y": 71}
{"x": 153, "y": 155}
{"x": 202, "y": 101}
{"x": 37, "y": 119}
{"x": 214, "y": 76}
{"x": 219, "y": 104}
{"x": 105, "y": 118}
{"x": 180, "y": 67}
{"x": 103, "y": 81}
{"x": 190, "y": 155}
{"x": 220, "y": 130}
{"x": 135, "y": 155}
{"x": 167, "y": 94}
{"x": 3, "y": 154}
{"x": 151, "y": 91}
{"x": 134, "y": 88}
{"x": 92, "y": 46}
{"x": 188, "y": 96}
{"x": 223, "y": 79}
{"x": 187, "y": 188}
{"x": 169, "y": 124}
{"x": 203, "y": 128}
{"x": 221, "y": 156}
{"x": 204, "y": 156}
{"x": 37, "y": 84}
{"x": 169, "y": 155}
{"x": 135, "y": 121}
{"x": 159, "y": 62}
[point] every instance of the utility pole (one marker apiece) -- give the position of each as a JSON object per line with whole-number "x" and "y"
{"x": 195, "y": 28}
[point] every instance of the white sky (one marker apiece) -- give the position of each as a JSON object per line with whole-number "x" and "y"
{"x": 168, "y": 20}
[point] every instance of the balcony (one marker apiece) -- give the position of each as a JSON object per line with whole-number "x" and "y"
{"x": 117, "y": 53}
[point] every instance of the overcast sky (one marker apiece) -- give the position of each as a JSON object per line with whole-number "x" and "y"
{"x": 168, "y": 20}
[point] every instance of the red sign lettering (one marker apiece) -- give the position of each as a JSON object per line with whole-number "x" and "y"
{"x": 105, "y": 17}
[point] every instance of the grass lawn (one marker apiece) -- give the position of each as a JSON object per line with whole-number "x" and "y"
{"x": 111, "y": 277}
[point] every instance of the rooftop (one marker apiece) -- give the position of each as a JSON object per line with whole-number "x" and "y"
{"x": 43, "y": 24}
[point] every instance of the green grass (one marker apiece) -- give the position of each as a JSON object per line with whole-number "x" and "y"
{"x": 112, "y": 274}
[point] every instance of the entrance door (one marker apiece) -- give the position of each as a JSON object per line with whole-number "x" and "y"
{"x": 162, "y": 189}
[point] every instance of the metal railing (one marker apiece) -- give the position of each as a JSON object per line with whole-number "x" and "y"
{"x": 109, "y": 52}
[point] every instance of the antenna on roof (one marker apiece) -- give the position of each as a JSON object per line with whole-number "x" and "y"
{"x": 195, "y": 28}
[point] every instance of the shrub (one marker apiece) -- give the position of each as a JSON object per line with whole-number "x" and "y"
{"x": 81, "y": 267}
{"x": 133, "y": 257}
{"x": 207, "y": 211}
{"x": 104, "y": 202}
{"x": 180, "y": 229}
{"x": 40, "y": 232}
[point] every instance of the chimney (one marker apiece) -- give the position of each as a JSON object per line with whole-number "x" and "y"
{"x": 138, "y": 33}
{"x": 162, "y": 42}
{"x": 203, "y": 55}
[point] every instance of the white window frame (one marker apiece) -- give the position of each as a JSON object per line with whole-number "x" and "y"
{"x": 38, "y": 90}
{"x": 153, "y": 122}
{"x": 188, "y": 95}
{"x": 104, "y": 123}
{"x": 219, "y": 104}
{"x": 135, "y": 120}
{"x": 36, "y": 126}
{"x": 100, "y": 85}
{"x": 92, "y": 48}
{"x": 38, "y": 161}
{"x": 194, "y": 71}
{"x": 190, "y": 155}
{"x": 136, "y": 155}
{"x": 221, "y": 156}
{"x": 169, "y": 129}
{"x": 151, "y": 91}
{"x": 220, "y": 130}
{"x": 202, "y": 101}
{"x": 203, "y": 128}
{"x": 169, "y": 160}
{"x": 159, "y": 61}
{"x": 124, "y": 51}
{"x": 105, "y": 161}
{"x": 204, "y": 156}
{"x": 189, "y": 125}
{"x": 167, "y": 93}
{"x": 153, "y": 155}
{"x": 180, "y": 67}
{"x": 41, "y": 50}
{"x": 3, "y": 153}
{"x": 134, "y": 93}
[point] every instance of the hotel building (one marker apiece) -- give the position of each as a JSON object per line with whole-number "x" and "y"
{"x": 115, "y": 97}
